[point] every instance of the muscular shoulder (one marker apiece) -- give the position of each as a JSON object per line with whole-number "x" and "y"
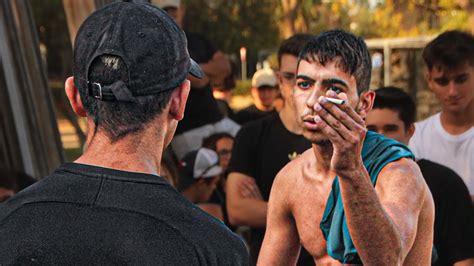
{"x": 288, "y": 176}
{"x": 402, "y": 178}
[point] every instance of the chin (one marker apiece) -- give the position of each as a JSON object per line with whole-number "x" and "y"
{"x": 456, "y": 108}
{"x": 316, "y": 137}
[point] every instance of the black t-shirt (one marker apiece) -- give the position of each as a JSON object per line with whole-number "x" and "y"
{"x": 225, "y": 109}
{"x": 454, "y": 213}
{"x": 250, "y": 114}
{"x": 83, "y": 214}
{"x": 261, "y": 149}
{"x": 201, "y": 108}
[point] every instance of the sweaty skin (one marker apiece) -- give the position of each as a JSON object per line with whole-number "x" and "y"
{"x": 391, "y": 224}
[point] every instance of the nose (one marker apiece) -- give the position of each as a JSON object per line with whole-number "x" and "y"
{"x": 313, "y": 97}
{"x": 452, "y": 88}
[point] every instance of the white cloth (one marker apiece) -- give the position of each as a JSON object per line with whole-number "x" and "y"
{"x": 432, "y": 142}
{"x": 192, "y": 140}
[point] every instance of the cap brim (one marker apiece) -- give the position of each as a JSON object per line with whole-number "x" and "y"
{"x": 214, "y": 171}
{"x": 196, "y": 70}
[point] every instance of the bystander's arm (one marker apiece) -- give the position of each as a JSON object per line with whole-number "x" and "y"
{"x": 215, "y": 71}
{"x": 213, "y": 209}
{"x": 242, "y": 209}
{"x": 467, "y": 262}
{"x": 218, "y": 68}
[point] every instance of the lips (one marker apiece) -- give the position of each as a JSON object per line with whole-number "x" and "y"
{"x": 453, "y": 100}
{"x": 308, "y": 123}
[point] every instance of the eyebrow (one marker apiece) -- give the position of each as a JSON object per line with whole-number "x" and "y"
{"x": 325, "y": 82}
{"x": 305, "y": 78}
{"x": 335, "y": 81}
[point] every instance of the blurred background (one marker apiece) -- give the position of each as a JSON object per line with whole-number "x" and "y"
{"x": 38, "y": 130}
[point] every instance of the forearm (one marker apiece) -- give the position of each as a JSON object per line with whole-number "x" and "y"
{"x": 466, "y": 262}
{"x": 372, "y": 231}
{"x": 249, "y": 212}
{"x": 218, "y": 67}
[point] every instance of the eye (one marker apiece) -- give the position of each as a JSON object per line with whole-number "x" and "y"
{"x": 289, "y": 76}
{"x": 335, "y": 89}
{"x": 304, "y": 85}
{"x": 372, "y": 128}
{"x": 391, "y": 128}
{"x": 461, "y": 79}
{"x": 442, "y": 81}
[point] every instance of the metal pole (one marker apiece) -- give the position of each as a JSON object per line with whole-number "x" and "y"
{"x": 243, "y": 60}
{"x": 31, "y": 106}
{"x": 386, "y": 63}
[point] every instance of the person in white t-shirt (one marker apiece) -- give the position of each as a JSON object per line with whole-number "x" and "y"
{"x": 447, "y": 137}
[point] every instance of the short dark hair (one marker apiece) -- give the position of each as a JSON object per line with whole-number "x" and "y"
{"x": 293, "y": 45}
{"x": 450, "y": 49}
{"x": 211, "y": 141}
{"x": 397, "y": 100}
{"x": 350, "y": 52}
{"x": 119, "y": 119}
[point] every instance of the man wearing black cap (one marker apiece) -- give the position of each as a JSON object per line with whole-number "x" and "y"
{"x": 110, "y": 205}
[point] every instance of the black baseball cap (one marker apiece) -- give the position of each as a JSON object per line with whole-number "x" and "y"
{"x": 146, "y": 38}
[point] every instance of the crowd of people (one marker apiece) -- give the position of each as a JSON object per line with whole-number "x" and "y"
{"x": 335, "y": 174}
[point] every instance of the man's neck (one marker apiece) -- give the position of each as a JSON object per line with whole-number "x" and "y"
{"x": 323, "y": 154}
{"x": 458, "y": 123}
{"x": 134, "y": 153}
{"x": 263, "y": 108}
{"x": 290, "y": 120}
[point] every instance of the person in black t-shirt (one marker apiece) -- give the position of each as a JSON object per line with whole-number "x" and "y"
{"x": 393, "y": 115}
{"x": 264, "y": 92}
{"x": 261, "y": 149}
{"x": 111, "y": 206}
{"x": 203, "y": 117}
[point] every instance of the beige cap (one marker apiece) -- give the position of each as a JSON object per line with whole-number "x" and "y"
{"x": 166, "y": 3}
{"x": 264, "y": 77}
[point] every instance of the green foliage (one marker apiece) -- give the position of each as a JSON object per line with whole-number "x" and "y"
{"x": 233, "y": 24}
{"x": 242, "y": 87}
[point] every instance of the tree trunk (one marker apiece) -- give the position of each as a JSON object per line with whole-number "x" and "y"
{"x": 288, "y": 27}
{"x": 76, "y": 13}
{"x": 29, "y": 136}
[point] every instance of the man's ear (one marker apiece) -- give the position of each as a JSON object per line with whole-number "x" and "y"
{"x": 411, "y": 131}
{"x": 366, "y": 102}
{"x": 74, "y": 97}
{"x": 428, "y": 79}
{"x": 254, "y": 92}
{"x": 279, "y": 78}
{"x": 178, "y": 100}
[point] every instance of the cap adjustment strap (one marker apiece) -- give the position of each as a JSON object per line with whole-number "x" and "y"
{"x": 115, "y": 91}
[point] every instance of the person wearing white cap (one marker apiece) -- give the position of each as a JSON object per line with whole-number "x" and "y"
{"x": 198, "y": 175}
{"x": 264, "y": 92}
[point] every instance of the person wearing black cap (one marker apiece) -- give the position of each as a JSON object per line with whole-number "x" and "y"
{"x": 111, "y": 206}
